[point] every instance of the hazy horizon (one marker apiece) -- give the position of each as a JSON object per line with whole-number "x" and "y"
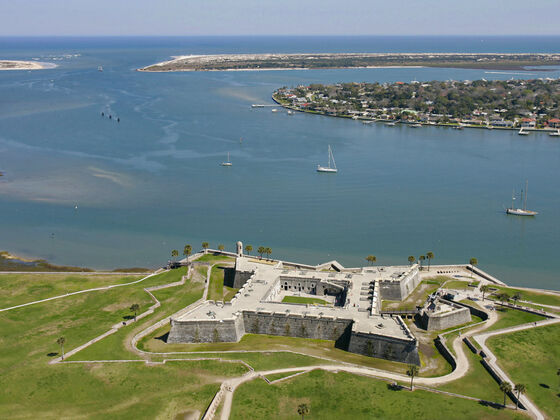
{"x": 291, "y": 17}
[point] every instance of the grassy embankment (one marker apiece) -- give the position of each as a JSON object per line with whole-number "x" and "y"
{"x": 216, "y": 289}
{"x": 345, "y": 396}
{"x": 532, "y": 357}
{"x": 128, "y": 390}
{"x": 305, "y": 300}
{"x": 16, "y": 289}
{"x": 531, "y": 296}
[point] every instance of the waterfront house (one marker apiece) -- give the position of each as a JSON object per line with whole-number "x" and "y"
{"x": 528, "y": 122}
{"x": 554, "y": 123}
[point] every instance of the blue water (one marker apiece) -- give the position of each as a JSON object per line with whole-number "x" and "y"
{"x": 153, "y": 182}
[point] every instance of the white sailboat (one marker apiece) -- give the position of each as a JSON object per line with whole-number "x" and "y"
{"x": 332, "y": 167}
{"x": 523, "y": 211}
{"x": 523, "y": 132}
{"x": 554, "y": 134}
{"x": 228, "y": 163}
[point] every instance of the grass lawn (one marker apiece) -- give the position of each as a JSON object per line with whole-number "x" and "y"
{"x": 95, "y": 390}
{"x": 305, "y": 300}
{"x": 276, "y": 376}
{"x": 460, "y": 285}
{"x": 16, "y": 289}
{"x": 477, "y": 382}
{"x": 211, "y": 258}
{"x": 509, "y": 317}
{"x": 114, "y": 348}
{"x": 417, "y": 297}
{"x": 532, "y": 357}
{"x": 345, "y": 396}
{"x": 216, "y": 289}
{"x": 535, "y": 297}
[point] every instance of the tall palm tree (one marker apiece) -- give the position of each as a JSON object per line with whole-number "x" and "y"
{"x": 429, "y": 256}
{"x": 61, "y": 342}
{"x": 187, "y": 250}
{"x": 248, "y": 249}
{"x": 268, "y": 251}
{"x": 505, "y": 387}
{"x": 503, "y": 297}
{"x": 205, "y": 245}
{"x": 412, "y": 372}
{"x": 411, "y": 259}
{"x": 174, "y": 253}
{"x": 516, "y": 296}
{"x": 134, "y": 308}
{"x": 474, "y": 262}
{"x": 371, "y": 259}
{"x": 302, "y": 410}
{"x": 221, "y": 247}
{"x": 484, "y": 289}
{"x": 422, "y": 258}
{"x": 261, "y": 250}
{"x": 520, "y": 389}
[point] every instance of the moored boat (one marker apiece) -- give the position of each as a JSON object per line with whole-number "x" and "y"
{"x": 517, "y": 211}
{"x": 331, "y": 168}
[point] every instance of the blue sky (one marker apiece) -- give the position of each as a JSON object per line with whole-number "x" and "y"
{"x": 279, "y": 17}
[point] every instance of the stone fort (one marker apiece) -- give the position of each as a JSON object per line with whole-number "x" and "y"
{"x": 350, "y": 316}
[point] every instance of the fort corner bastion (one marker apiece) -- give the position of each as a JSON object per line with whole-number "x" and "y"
{"x": 350, "y": 316}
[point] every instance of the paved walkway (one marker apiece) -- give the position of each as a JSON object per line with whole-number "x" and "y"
{"x": 228, "y": 387}
{"x": 492, "y": 360}
{"x": 81, "y": 291}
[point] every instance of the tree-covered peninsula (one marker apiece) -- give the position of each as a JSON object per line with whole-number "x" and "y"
{"x": 512, "y": 103}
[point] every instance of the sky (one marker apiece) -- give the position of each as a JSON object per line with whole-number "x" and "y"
{"x": 278, "y": 17}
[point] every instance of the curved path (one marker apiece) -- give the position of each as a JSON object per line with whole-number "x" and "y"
{"x": 95, "y": 289}
{"x": 228, "y": 386}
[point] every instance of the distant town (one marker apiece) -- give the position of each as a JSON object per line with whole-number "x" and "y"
{"x": 526, "y": 104}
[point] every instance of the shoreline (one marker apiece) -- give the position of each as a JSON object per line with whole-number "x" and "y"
{"x": 415, "y": 123}
{"x": 319, "y": 61}
{"x": 8, "y": 65}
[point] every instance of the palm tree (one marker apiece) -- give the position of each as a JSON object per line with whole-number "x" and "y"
{"x": 261, "y": 250}
{"x": 412, "y": 372}
{"x": 61, "y": 342}
{"x": 134, "y": 308}
{"x": 473, "y": 261}
{"x": 268, "y": 251}
{"x": 421, "y": 258}
{"x": 221, "y": 247}
{"x": 484, "y": 289}
{"x": 174, "y": 253}
{"x": 516, "y": 296}
{"x": 411, "y": 259}
{"x": 205, "y": 245}
{"x": 505, "y": 387}
{"x": 248, "y": 249}
{"x": 429, "y": 256}
{"x": 187, "y": 250}
{"x": 302, "y": 410}
{"x": 503, "y": 297}
{"x": 520, "y": 389}
{"x": 371, "y": 259}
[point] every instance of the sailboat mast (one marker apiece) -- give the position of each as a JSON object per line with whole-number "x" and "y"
{"x": 526, "y": 190}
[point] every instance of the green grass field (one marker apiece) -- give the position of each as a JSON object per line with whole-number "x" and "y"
{"x": 95, "y": 390}
{"x": 217, "y": 290}
{"x": 460, "y": 285}
{"x": 16, "y": 289}
{"x": 344, "y": 396}
{"x": 532, "y": 357}
{"x": 211, "y": 258}
{"x": 305, "y": 300}
{"x": 509, "y": 317}
{"x": 535, "y": 297}
{"x": 476, "y": 383}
